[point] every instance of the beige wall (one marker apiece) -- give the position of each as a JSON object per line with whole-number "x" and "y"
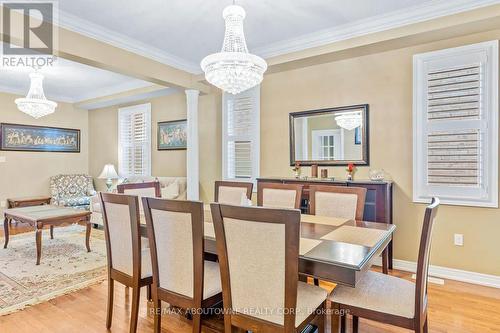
{"x": 27, "y": 173}
{"x": 384, "y": 81}
{"x": 103, "y": 141}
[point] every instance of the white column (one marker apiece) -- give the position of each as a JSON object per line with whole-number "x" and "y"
{"x": 192, "y": 162}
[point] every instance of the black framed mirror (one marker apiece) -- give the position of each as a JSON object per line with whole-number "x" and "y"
{"x": 330, "y": 137}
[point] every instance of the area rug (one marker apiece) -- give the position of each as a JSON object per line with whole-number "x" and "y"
{"x": 65, "y": 266}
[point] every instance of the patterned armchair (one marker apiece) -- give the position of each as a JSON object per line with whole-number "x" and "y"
{"x": 72, "y": 190}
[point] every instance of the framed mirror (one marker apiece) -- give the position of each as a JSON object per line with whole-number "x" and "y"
{"x": 335, "y": 136}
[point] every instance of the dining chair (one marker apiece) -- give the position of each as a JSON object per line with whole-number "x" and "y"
{"x": 181, "y": 276}
{"x": 231, "y": 193}
{"x": 127, "y": 263}
{"x": 389, "y": 299}
{"x": 337, "y": 201}
{"x": 258, "y": 250}
{"x": 278, "y": 195}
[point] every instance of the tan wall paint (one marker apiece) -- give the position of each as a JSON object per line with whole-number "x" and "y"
{"x": 384, "y": 81}
{"x": 28, "y": 173}
{"x": 103, "y": 140}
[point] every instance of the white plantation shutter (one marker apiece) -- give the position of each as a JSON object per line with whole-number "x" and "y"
{"x": 241, "y": 135}
{"x": 134, "y": 140}
{"x": 455, "y": 115}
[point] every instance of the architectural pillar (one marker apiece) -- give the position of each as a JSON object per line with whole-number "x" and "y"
{"x": 192, "y": 156}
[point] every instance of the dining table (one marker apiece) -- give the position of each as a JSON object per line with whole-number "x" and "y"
{"x": 332, "y": 249}
{"x": 337, "y": 250}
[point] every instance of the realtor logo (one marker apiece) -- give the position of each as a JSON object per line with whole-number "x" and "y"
{"x": 29, "y": 33}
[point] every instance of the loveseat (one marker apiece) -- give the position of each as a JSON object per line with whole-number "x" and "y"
{"x": 171, "y": 188}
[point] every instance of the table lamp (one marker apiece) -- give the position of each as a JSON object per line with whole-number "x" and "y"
{"x": 109, "y": 173}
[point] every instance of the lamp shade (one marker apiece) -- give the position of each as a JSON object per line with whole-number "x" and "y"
{"x": 109, "y": 172}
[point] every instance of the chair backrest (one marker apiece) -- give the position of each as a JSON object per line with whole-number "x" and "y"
{"x": 175, "y": 232}
{"x": 278, "y": 195}
{"x": 254, "y": 244}
{"x": 230, "y": 193}
{"x": 337, "y": 201}
{"x": 423, "y": 261}
{"x": 121, "y": 227}
{"x": 146, "y": 189}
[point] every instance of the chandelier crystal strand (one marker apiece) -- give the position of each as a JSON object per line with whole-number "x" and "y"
{"x": 35, "y": 103}
{"x": 234, "y": 70}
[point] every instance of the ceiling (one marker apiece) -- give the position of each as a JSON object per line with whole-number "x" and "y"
{"x": 69, "y": 81}
{"x": 182, "y": 32}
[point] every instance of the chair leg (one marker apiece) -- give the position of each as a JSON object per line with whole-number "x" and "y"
{"x": 148, "y": 292}
{"x": 134, "y": 313}
{"x": 227, "y": 324}
{"x": 335, "y": 324}
{"x": 321, "y": 319}
{"x": 426, "y": 327}
{"x": 342, "y": 324}
{"x": 111, "y": 291}
{"x": 355, "y": 323}
{"x": 196, "y": 322}
{"x": 316, "y": 282}
{"x": 157, "y": 315}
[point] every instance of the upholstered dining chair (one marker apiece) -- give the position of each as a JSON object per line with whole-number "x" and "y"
{"x": 127, "y": 263}
{"x": 258, "y": 251}
{"x": 231, "y": 193}
{"x": 337, "y": 201}
{"x": 181, "y": 276}
{"x": 277, "y": 195}
{"x": 388, "y": 299}
{"x": 145, "y": 189}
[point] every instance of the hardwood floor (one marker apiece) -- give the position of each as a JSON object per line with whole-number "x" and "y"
{"x": 455, "y": 307}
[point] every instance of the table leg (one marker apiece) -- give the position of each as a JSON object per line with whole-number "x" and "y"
{"x": 6, "y": 232}
{"x": 390, "y": 255}
{"x": 87, "y": 234}
{"x": 38, "y": 236}
{"x": 51, "y": 232}
{"x": 385, "y": 261}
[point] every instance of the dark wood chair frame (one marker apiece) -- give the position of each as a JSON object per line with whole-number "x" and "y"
{"x": 195, "y": 208}
{"x": 280, "y": 186}
{"x": 359, "y": 191}
{"x": 419, "y": 322}
{"x": 135, "y": 281}
{"x": 219, "y": 183}
{"x": 291, "y": 220}
{"x": 130, "y": 186}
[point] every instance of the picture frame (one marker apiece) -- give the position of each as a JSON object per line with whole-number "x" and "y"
{"x": 32, "y": 138}
{"x": 172, "y": 135}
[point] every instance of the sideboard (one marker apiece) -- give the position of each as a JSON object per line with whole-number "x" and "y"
{"x": 378, "y": 203}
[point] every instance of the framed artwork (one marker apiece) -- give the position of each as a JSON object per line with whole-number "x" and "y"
{"x": 172, "y": 135}
{"x": 17, "y": 137}
{"x": 357, "y": 136}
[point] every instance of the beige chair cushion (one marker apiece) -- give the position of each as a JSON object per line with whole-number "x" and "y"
{"x": 277, "y": 198}
{"x": 174, "y": 247}
{"x": 231, "y": 195}
{"x": 379, "y": 292}
{"x": 336, "y": 204}
{"x": 120, "y": 236}
{"x": 254, "y": 248}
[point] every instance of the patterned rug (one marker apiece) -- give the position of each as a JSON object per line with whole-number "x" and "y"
{"x": 65, "y": 266}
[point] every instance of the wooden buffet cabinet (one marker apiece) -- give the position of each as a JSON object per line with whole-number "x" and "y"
{"x": 378, "y": 203}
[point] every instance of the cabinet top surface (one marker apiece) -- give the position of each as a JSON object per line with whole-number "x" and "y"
{"x": 324, "y": 180}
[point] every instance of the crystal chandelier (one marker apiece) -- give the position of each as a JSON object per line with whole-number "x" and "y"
{"x": 35, "y": 103}
{"x": 234, "y": 70}
{"x": 349, "y": 121}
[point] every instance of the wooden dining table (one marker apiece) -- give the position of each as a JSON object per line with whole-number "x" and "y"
{"x": 331, "y": 249}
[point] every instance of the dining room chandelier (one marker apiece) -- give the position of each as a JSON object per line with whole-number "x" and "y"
{"x": 349, "y": 121}
{"x": 35, "y": 103}
{"x": 234, "y": 69}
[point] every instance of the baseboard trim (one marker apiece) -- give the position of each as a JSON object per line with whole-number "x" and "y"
{"x": 449, "y": 273}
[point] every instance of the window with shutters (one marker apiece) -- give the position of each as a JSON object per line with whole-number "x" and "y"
{"x": 241, "y": 135}
{"x": 455, "y": 125}
{"x": 134, "y": 140}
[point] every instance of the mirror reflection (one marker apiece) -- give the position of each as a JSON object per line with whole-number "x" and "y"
{"x": 334, "y": 136}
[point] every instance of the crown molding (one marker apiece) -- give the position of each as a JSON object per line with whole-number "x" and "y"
{"x": 92, "y": 30}
{"x": 395, "y": 19}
